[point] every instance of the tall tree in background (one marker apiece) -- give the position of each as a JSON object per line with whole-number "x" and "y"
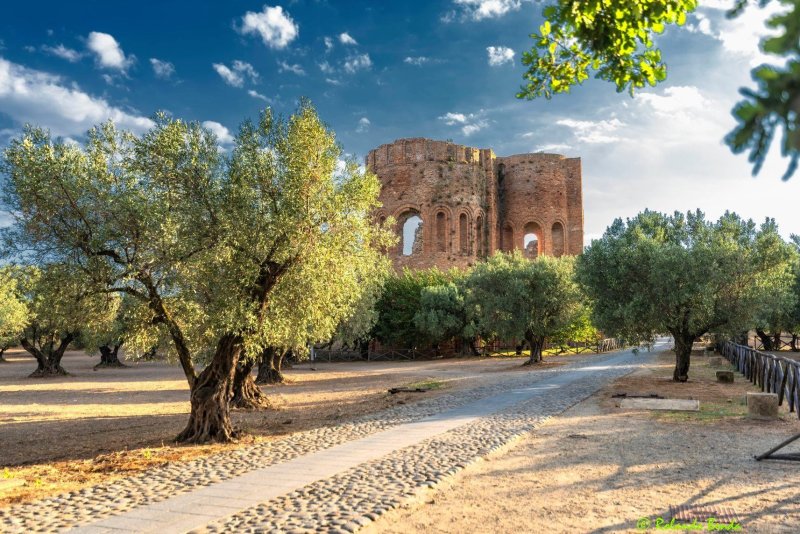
{"x": 515, "y": 298}
{"x": 614, "y": 39}
{"x": 684, "y": 275}
{"x": 202, "y": 241}
{"x": 13, "y": 311}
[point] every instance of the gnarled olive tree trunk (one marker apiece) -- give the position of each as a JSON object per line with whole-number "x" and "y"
{"x": 683, "y": 354}
{"x": 536, "y": 343}
{"x": 766, "y": 340}
{"x": 269, "y": 366}
{"x": 109, "y": 357}
{"x": 794, "y": 346}
{"x": 48, "y": 356}
{"x": 3, "y": 349}
{"x": 211, "y": 391}
{"x": 246, "y": 394}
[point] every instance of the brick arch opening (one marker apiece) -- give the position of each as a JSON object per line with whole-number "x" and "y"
{"x": 463, "y": 233}
{"x": 479, "y": 236}
{"x": 532, "y": 240}
{"x": 410, "y": 223}
{"x": 558, "y": 239}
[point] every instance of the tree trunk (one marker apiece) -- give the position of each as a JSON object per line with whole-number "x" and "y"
{"x": 363, "y": 346}
{"x": 3, "y": 349}
{"x": 209, "y": 420}
{"x": 519, "y": 348}
{"x": 109, "y": 357}
{"x": 683, "y": 353}
{"x": 48, "y": 359}
{"x": 246, "y": 394}
{"x": 269, "y": 367}
{"x": 536, "y": 343}
{"x": 765, "y": 340}
{"x": 473, "y": 349}
{"x": 795, "y": 348}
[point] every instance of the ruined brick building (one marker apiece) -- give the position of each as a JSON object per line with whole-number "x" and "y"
{"x": 455, "y": 205}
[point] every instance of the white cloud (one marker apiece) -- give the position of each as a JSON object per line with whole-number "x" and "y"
{"x": 223, "y": 134}
{"x": 162, "y": 69}
{"x": 63, "y": 52}
{"x": 499, "y": 55}
{"x": 237, "y": 74}
{"x": 326, "y": 68}
{"x": 328, "y": 44}
{"x": 358, "y": 62}
{"x": 553, "y": 147}
{"x": 109, "y": 54}
{"x": 36, "y": 97}
{"x": 345, "y": 39}
{"x": 286, "y": 67}
{"x": 470, "y": 123}
{"x": 259, "y": 96}
{"x": 363, "y": 125}
{"x": 486, "y": 9}
{"x": 333, "y": 81}
{"x": 276, "y": 28}
{"x": 419, "y": 60}
{"x": 593, "y": 132}
{"x": 675, "y": 99}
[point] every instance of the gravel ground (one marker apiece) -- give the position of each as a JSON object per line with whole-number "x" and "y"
{"x": 360, "y": 494}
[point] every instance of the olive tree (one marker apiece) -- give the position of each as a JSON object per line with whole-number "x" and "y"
{"x": 201, "y": 240}
{"x": 443, "y": 314}
{"x": 515, "y": 298}
{"x": 13, "y": 311}
{"x": 682, "y": 274}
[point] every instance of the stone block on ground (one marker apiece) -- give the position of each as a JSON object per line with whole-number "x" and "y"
{"x": 716, "y": 361}
{"x": 725, "y": 377}
{"x": 687, "y": 405}
{"x": 762, "y": 406}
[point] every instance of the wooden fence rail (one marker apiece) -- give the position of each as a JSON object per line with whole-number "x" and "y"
{"x": 773, "y": 374}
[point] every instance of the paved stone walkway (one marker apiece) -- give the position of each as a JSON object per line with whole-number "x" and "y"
{"x": 338, "y": 479}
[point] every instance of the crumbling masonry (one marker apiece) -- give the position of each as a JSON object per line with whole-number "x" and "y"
{"x": 455, "y": 205}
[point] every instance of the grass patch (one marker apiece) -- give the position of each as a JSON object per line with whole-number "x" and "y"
{"x": 709, "y": 411}
{"x": 427, "y": 384}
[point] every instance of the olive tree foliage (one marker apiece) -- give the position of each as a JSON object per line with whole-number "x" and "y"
{"x": 515, "y": 298}
{"x": 13, "y": 311}
{"x": 683, "y": 275}
{"x": 58, "y": 308}
{"x": 201, "y": 241}
{"x": 615, "y": 40}
{"x": 443, "y": 314}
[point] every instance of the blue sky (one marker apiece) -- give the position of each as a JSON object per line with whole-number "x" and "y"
{"x": 378, "y": 71}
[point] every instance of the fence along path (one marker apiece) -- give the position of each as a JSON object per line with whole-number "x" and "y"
{"x": 773, "y": 374}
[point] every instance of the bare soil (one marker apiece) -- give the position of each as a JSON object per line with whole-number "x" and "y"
{"x": 64, "y": 433}
{"x": 597, "y": 468}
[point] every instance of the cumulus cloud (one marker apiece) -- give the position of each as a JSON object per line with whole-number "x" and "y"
{"x": 593, "y": 132}
{"x": 346, "y": 39}
{"x": 358, "y": 62}
{"x": 276, "y": 27}
{"x": 257, "y": 95}
{"x": 326, "y": 68}
{"x": 499, "y": 55}
{"x": 223, "y": 134}
{"x": 363, "y": 125}
{"x": 418, "y": 60}
{"x": 675, "y": 99}
{"x": 162, "y": 69}
{"x": 108, "y": 53}
{"x": 328, "y": 44}
{"x": 63, "y": 52}
{"x": 32, "y": 96}
{"x": 295, "y": 68}
{"x": 333, "y": 81}
{"x": 485, "y": 9}
{"x": 237, "y": 74}
{"x": 470, "y": 123}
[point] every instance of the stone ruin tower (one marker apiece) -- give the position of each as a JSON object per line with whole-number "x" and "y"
{"x": 455, "y": 205}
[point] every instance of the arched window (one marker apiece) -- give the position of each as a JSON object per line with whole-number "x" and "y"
{"x": 531, "y": 243}
{"x": 508, "y": 238}
{"x": 463, "y": 233}
{"x": 441, "y": 232}
{"x": 412, "y": 234}
{"x": 558, "y": 239}
{"x": 479, "y": 236}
